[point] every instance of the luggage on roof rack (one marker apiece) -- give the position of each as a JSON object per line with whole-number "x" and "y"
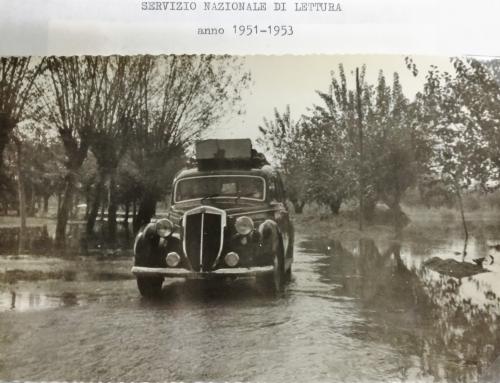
{"x": 227, "y": 154}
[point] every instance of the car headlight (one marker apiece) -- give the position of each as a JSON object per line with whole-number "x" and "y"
{"x": 173, "y": 259}
{"x": 164, "y": 227}
{"x": 244, "y": 225}
{"x": 231, "y": 259}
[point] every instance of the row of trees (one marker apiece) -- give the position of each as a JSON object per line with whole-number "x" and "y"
{"x": 112, "y": 129}
{"x": 371, "y": 142}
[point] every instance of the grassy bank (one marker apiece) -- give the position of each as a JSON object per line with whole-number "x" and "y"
{"x": 423, "y": 223}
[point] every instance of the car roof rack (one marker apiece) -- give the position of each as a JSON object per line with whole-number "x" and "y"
{"x": 216, "y": 154}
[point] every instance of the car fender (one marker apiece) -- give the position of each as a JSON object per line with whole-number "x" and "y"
{"x": 150, "y": 249}
{"x": 145, "y": 244}
{"x": 271, "y": 241}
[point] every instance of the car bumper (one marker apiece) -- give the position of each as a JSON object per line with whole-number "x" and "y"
{"x": 140, "y": 271}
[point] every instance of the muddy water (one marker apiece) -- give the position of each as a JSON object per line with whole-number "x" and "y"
{"x": 353, "y": 312}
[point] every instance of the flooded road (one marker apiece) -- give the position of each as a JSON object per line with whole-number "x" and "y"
{"x": 352, "y": 313}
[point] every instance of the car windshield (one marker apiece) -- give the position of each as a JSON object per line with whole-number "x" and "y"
{"x": 245, "y": 187}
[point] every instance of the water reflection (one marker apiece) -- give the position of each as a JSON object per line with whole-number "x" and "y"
{"x": 36, "y": 240}
{"x": 417, "y": 311}
{"x": 39, "y": 240}
{"x": 28, "y": 301}
{"x": 363, "y": 313}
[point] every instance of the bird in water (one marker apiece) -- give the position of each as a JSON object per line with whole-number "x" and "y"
{"x": 480, "y": 261}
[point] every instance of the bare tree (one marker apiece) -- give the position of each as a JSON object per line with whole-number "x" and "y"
{"x": 181, "y": 96}
{"x": 73, "y": 101}
{"x": 113, "y": 131}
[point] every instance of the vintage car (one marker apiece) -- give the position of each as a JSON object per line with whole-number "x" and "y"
{"x": 228, "y": 219}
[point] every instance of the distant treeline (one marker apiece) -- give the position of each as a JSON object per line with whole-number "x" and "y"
{"x": 112, "y": 131}
{"x": 371, "y": 143}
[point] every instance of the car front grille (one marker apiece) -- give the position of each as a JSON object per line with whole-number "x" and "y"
{"x": 203, "y": 236}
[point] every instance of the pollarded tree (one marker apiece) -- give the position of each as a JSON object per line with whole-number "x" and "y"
{"x": 117, "y": 113}
{"x": 73, "y": 92}
{"x": 284, "y": 139}
{"x": 180, "y": 97}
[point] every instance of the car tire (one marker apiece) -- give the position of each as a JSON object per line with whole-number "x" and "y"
{"x": 149, "y": 287}
{"x": 275, "y": 281}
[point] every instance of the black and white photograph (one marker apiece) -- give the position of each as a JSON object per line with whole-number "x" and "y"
{"x": 250, "y": 218}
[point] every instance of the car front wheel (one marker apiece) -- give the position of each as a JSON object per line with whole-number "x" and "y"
{"x": 274, "y": 282}
{"x": 149, "y": 287}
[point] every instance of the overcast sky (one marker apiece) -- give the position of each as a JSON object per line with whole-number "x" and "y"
{"x": 281, "y": 80}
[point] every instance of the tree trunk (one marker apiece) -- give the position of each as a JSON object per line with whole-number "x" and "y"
{"x": 39, "y": 205}
{"x": 462, "y": 213}
{"x": 464, "y": 252}
{"x": 298, "y": 206}
{"x": 113, "y": 205}
{"x": 96, "y": 201}
{"x": 46, "y": 204}
{"x": 399, "y": 218}
{"x": 134, "y": 210}
{"x": 147, "y": 209}
{"x": 74, "y": 206}
{"x": 369, "y": 209}
{"x": 22, "y": 196}
{"x": 59, "y": 200}
{"x": 65, "y": 208}
{"x": 6, "y": 126}
{"x": 103, "y": 210}
{"x": 127, "y": 212}
{"x": 31, "y": 202}
{"x": 335, "y": 206}
{"x": 361, "y": 156}
{"x": 87, "y": 205}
